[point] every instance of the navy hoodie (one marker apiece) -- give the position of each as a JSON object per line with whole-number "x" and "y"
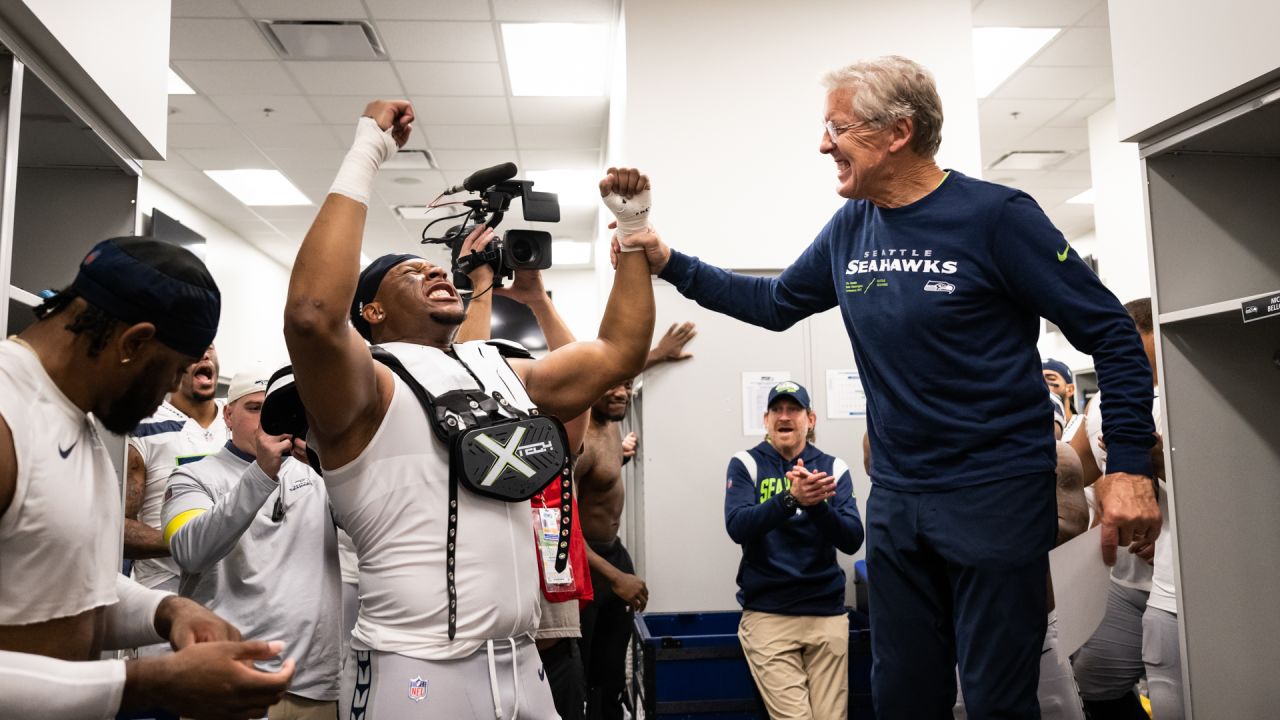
{"x": 942, "y": 300}
{"x": 789, "y": 558}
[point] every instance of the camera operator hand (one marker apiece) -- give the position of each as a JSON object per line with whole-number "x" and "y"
{"x": 476, "y": 241}
{"x": 527, "y": 289}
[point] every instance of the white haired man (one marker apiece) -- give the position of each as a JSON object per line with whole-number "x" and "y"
{"x": 942, "y": 280}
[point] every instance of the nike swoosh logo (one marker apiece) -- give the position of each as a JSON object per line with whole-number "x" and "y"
{"x": 67, "y": 452}
{"x": 1062, "y": 256}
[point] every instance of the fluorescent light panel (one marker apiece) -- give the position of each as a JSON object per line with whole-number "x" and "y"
{"x": 259, "y": 187}
{"x": 570, "y": 252}
{"x": 1084, "y": 198}
{"x": 178, "y": 86}
{"x": 1028, "y": 160}
{"x": 576, "y": 188}
{"x": 999, "y": 52}
{"x": 556, "y": 59}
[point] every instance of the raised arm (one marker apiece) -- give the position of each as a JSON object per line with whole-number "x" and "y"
{"x": 332, "y": 366}
{"x": 568, "y": 380}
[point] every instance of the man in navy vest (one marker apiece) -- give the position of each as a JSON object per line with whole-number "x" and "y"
{"x": 791, "y": 506}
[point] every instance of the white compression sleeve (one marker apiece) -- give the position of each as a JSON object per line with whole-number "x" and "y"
{"x": 35, "y": 686}
{"x": 131, "y": 621}
{"x": 631, "y": 213}
{"x": 372, "y": 147}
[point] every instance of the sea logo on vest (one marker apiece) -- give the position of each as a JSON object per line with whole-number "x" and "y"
{"x": 504, "y": 457}
{"x": 417, "y": 689}
{"x": 939, "y": 286}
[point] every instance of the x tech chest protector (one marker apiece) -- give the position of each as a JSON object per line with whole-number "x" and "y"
{"x": 499, "y": 445}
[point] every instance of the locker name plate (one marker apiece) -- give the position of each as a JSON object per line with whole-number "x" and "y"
{"x": 1258, "y": 308}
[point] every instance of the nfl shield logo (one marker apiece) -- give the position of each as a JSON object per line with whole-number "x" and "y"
{"x": 417, "y": 689}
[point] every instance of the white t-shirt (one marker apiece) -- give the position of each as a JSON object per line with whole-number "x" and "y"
{"x": 167, "y": 440}
{"x": 1130, "y": 570}
{"x": 393, "y": 501}
{"x": 60, "y": 539}
{"x": 1164, "y": 595}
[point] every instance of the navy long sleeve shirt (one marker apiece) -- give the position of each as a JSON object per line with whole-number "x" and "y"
{"x": 942, "y": 300}
{"x": 789, "y": 557}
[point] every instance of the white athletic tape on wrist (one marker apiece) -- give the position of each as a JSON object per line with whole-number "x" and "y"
{"x": 372, "y": 147}
{"x": 632, "y": 215}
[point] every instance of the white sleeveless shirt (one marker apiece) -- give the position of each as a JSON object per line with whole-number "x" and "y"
{"x": 60, "y": 539}
{"x": 393, "y": 501}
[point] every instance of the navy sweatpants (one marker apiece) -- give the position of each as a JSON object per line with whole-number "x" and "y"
{"x": 959, "y": 575}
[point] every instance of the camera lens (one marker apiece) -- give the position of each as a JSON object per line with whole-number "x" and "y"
{"x": 523, "y": 251}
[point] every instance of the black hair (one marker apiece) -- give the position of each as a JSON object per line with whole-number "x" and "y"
{"x": 1140, "y": 311}
{"x": 91, "y": 322}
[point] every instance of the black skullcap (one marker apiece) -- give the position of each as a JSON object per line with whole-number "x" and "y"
{"x": 139, "y": 279}
{"x": 282, "y": 411}
{"x": 367, "y": 289}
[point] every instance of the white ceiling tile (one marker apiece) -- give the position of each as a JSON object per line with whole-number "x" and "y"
{"x": 1096, "y": 17}
{"x": 1079, "y": 112}
{"x": 225, "y": 158}
{"x": 306, "y": 160}
{"x": 468, "y": 160}
{"x": 1031, "y": 13}
{"x": 592, "y": 11}
{"x": 284, "y": 109}
{"x": 439, "y": 41}
{"x": 290, "y": 213}
{"x": 1067, "y": 83}
{"x": 449, "y": 78}
{"x": 461, "y": 110}
{"x": 186, "y": 109}
{"x": 1072, "y": 220}
{"x": 555, "y": 137}
{"x": 374, "y": 79}
{"x": 1060, "y": 179}
{"x": 1019, "y": 113}
{"x": 173, "y": 161}
{"x": 409, "y": 187}
{"x": 285, "y": 135}
{"x": 206, "y": 39}
{"x": 226, "y": 77}
{"x": 1078, "y": 163}
{"x": 305, "y": 9}
{"x": 205, "y": 136}
{"x": 340, "y": 109}
{"x": 1106, "y": 90}
{"x": 1055, "y": 138}
{"x": 429, "y": 9}
{"x": 469, "y": 137}
{"x": 560, "y": 159}
{"x": 1076, "y": 47}
{"x": 205, "y": 8}
{"x": 560, "y": 111}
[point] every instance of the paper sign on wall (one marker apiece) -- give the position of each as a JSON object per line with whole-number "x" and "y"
{"x": 755, "y": 398}
{"x": 845, "y": 396}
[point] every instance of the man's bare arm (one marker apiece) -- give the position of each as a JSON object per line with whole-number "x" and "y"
{"x": 1073, "y": 508}
{"x": 140, "y": 540}
{"x": 670, "y": 348}
{"x": 1080, "y": 443}
{"x": 8, "y": 467}
{"x": 334, "y": 371}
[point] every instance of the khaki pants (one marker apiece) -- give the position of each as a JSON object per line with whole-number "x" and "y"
{"x": 296, "y": 707}
{"x": 799, "y": 662}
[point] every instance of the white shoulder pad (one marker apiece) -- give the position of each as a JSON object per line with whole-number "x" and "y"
{"x": 749, "y": 463}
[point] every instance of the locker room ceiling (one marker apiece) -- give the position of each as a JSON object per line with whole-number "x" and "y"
{"x": 447, "y": 56}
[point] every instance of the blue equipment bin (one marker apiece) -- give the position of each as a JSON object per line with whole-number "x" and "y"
{"x": 690, "y": 666}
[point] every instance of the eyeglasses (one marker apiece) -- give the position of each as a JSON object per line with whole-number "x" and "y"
{"x": 835, "y": 131}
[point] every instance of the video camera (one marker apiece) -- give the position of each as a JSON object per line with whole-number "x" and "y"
{"x": 518, "y": 249}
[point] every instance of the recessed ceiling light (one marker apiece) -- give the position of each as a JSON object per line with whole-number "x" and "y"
{"x": 1084, "y": 198}
{"x": 998, "y": 52}
{"x": 411, "y": 160}
{"x": 259, "y": 187}
{"x": 1028, "y": 160}
{"x": 178, "y": 86}
{"x": 556, "y": 59}
{"x": 570, "y": 252}
{"x": 576, "y": 188}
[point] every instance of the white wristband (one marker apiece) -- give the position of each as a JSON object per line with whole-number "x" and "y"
{"x": 372, "y": 147}
{"x": 631, "y": 213}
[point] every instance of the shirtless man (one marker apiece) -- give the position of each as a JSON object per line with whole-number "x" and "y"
{"x": 606, "y": 622}
{"x": 138, "y": 313}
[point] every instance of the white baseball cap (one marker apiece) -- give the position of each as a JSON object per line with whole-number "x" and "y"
{"x": 252, "y": 380}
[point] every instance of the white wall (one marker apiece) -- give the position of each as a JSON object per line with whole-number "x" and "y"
{"x": 253, "y": 285}
{"x": 1120, "y": 220}
{"x": 1172, "y": 57}
{"x": 575, "y": 293}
